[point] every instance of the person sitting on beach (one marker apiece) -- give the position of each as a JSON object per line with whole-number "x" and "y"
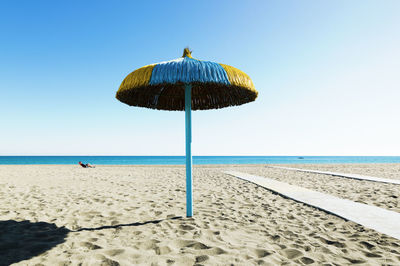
{"x": 88, "y": 165}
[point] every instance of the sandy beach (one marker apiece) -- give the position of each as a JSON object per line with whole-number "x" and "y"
{"x": 130, "y": 215}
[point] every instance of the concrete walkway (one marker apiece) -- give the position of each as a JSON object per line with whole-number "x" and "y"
{"x": 381, "y": 220}
{"x": 352, "y": 176}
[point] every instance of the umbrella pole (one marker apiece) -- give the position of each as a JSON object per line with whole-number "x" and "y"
{"x": 188, "y": 124}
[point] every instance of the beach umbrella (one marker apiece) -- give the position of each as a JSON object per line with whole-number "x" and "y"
{"x": 186, "y": 84}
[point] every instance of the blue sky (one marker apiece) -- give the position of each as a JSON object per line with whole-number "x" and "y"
{"x": 327, "y": 73}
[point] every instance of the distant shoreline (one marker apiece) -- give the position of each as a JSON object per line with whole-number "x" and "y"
{"x": 197, "y": 160}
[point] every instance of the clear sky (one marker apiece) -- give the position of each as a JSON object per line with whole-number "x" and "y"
{"x": 327, "y": 72}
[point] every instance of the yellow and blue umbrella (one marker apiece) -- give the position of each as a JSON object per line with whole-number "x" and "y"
{"x": 187, "y": 84}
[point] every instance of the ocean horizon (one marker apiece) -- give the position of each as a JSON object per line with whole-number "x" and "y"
{"x": 199, "y": 160}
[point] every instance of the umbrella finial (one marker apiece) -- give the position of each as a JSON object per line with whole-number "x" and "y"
{"x": 187, "y": 52}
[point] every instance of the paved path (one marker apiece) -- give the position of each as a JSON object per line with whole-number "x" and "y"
{"x": 381, "y": 220}
{"x": 353, "y": 176}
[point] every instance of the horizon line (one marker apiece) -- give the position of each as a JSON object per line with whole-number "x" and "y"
{"x": 204, "y": 155}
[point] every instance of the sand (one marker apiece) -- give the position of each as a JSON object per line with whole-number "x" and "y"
{"x": 130, "y": 215}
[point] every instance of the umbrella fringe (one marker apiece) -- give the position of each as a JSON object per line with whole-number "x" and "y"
{"x": 172, "y": 96}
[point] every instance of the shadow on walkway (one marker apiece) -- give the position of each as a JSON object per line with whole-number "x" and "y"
{"x": 24, "y": 240}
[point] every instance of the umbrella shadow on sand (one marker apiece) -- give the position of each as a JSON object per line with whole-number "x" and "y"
{"x": 24, "y": 240}
{"x": 123, "y": 225}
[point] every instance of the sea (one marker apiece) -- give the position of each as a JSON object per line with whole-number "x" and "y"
{"x": 180, "y": 160}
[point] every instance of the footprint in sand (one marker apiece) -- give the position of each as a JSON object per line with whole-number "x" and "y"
{"x": 103, "y": 260}
{"x": 201, "y": 258}
{"x": 216, "y": 251}
{"x": 368, "y": 245}
{"x": 115, "y": 222}
{"x": 89, "y": 245}
{"x": 372, "y": 255}
{"x": 186, "y": 227}
{"x": 162, "y": 250}
{"x": 180, "y": 243}
{"x": 147, "y": 245}
{"x": 292, "y": 253}
{"x": 169, "y": 261}
{"x": 198, "y": 245}
{"x": 306, "y": 260}
{"x": 332, "y": 242}
{"x": 114, "y": 252}
{"x": 261, "y": 253}
{"x": 355, "y": 261}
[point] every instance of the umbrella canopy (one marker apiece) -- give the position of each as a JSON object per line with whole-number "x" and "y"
{"x": 162, "y": 86}
{"x": 187, "y": 84}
